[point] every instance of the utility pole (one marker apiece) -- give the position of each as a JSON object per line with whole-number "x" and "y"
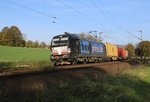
{"x": 141, "y": 34}
{"x": 100, "y": 35}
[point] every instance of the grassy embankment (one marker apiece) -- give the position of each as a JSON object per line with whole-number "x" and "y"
{"x": 132, "y": 85}
{"x": 13, "y": 57}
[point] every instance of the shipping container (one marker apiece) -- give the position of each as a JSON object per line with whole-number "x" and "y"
{"x": 111, "y": 51}
{"x": 121, "y": 53}
{"x": 98, "y": 49}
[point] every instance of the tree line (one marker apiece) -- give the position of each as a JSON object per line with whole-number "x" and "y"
{"x": 13, "y": 37}
{"x": 142, "y": 50}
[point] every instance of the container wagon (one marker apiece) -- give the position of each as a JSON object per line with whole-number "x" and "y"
{"x": 121, "y": 53}
{"x": 111, "y": 51}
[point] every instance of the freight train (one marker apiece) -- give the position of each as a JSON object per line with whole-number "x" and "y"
{"x": 78, "y": 48}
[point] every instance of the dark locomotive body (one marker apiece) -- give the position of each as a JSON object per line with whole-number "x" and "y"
{"x": 74, "y": 48}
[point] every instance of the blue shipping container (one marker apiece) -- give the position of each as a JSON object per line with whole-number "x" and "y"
{"x": 98, "y": 48}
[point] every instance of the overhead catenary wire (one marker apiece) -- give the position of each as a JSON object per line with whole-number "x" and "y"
{"x": 53, "y": 19}
{"x": 82, "y": 14}
{"x": 86, "y": 5}
{"x": 23, "y": 13}
{"x": 110, "y": 15}
{"x": 89, "y": 6}
{"x": 118, "y": 25}
{"x": 33, "y": 16}
{"x": 50, "y": 16}
{"x": 112, "y": 19}
{"x": 134, "y": 36}
{"x": 61, "y": 21}
{"x": 31, "y": 9}
{"x": 92, "y": 3}
{"x": 105, "y": 15}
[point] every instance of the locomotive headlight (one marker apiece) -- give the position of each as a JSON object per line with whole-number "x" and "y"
{"x": 69, "y": 50}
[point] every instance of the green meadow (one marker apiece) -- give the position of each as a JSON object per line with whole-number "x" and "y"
{"x": 12, "y": 56}
{"x": 17, "y": 54}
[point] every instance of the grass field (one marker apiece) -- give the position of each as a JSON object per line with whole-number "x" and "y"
{"x": 17, "y": 54}
{"x": 20, "y": 55}
{"x": 143, "y": 73}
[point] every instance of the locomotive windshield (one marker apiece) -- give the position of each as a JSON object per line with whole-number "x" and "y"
{"x": 60, "y": 41}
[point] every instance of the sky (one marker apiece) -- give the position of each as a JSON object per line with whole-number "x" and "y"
{"x": 119, "y": 20}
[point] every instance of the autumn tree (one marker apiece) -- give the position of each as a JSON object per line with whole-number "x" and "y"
{"x": 15, "y": 36}
{"x": 12, "y": 36}
{"x": 36, "y": 44}
{"x": 143, "y": 49}
{"x": 43, "y": 44}
{"x": 0, "y": 37}
{"x": 4, "y": 36}
{"x": 130, "y": 49}
{"x": 29, "y": 43}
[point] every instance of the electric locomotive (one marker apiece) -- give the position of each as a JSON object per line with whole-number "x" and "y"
{"x": 74, "y": 48}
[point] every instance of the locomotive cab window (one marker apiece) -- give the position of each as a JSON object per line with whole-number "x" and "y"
{"x": 60, "y": 41}
{"x": 55, "y": 42}
{"x": 64, "y": 41}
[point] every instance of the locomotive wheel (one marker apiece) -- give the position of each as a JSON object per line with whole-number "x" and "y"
{"x": 99, "y": 61}
{"x": 74, "y": 62}
{"x": 85, "y": 61}
{"x": 95, "y": 61}
{"x": 55, "y": 63}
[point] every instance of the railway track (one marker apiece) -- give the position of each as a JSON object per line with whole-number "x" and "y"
{"x": 86, "y": 65}
{"x": 57, "y": 68}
